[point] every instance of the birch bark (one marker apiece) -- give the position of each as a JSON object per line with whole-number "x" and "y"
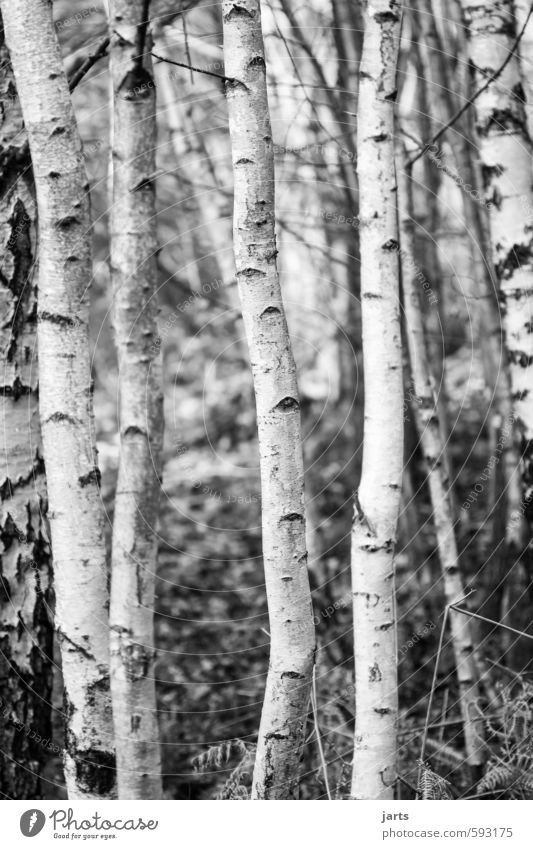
{"x": 433, "y": 449}
{"x": 525, "y": 52}
{"x": 505, "y": 153}
{"x": 292, "y": 653}
{"x": 65, "y": 395}
{"x": 26, "y": 622}
{"x": 378, "y": 499}
{"x": 134, "y": 276}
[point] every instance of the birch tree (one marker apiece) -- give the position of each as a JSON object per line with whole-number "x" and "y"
{"x": 292, "y": 651}
{"x": 433, "y": 448}
{"x": 505, "y": 153}
{"x": 377, "y": 501}
{"x": 26, "y": 626}
{"x": 65, "y": 395}
{"x": 524, "y": 21}
{"x": 134, "y": 276}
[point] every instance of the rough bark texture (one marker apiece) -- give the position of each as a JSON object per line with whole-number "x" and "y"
{"x": 433, "y": 449}
{"x": 378, "y": 499}
{"x": 486, "y": 330}
{"x": 65, "y": 394}
{"x": 525, "y": 51}
{"x": 278, "y": 416}
{"x": 26, "y": 625}
{"x": 505, "y": 153}
{"x": 134, "y": 275}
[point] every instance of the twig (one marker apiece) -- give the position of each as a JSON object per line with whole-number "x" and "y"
{"x": 314, "y": 706}
{"x": 140, "y": 38}
{"x": 476, "y": 94}
{"x": 87, "y": 64}
{"x": 187, "y": 50}
{"x": 431, "y": 694}
{"x": 491, "y": 622}
{"x": 434, "y": 680}
{"x": 198, "y": 70}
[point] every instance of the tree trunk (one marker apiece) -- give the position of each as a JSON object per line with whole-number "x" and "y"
{"x": 134, "y": 275}
{"x": 505, "y": 153}
{"x": 281, "y": 734}
{"x": 486, "y": 326}
{"x": 65, "y": 394}
{"x": 26, "y": 626}
{"x": 433, "y": 449}
{"x": 378, "y": 499}
{"x": 525, "y": 51}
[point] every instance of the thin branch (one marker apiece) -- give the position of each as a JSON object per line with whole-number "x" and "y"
{"x": 87, "y": 64}
{"x": 492, "y": 622}
{"x": 198, "y": 70}
{"x": 477, "y": 94}
{"x": 187, "y": 50}
{"x": 142, "y": 29}
{"x": 432, "y": 692}
{"x": 314, "y": 705}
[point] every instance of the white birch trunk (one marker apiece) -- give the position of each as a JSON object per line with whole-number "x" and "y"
{"x": 433, "y": 449}
{"x": 65, "y": 394}
{"x": 26, "y": 622}
{"x": 134, "y": 276}
{"x": 505, "y": 152}
{"x": 378, "y": 499}
{"x": 292, "y": 654}
{"x": 525, "y": 52}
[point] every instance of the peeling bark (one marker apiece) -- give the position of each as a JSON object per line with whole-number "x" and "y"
{"x": 377, "y": 501}
{"x": 281, "y": 734}
{"x": 525, "y": 51}
{"x": 134, "y": 276}
{"x": 505, "y": 153}
{"x": 26, "y": 626}
{"x": 65, "y": 397}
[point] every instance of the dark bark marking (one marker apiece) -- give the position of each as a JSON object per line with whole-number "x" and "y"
{"x": 93, "y": 476}
{"x": 287, "y": 403}
{"x": 95, "y": 770}
{"x": 292, "y": 517}
{"x": 67, "y": 223}
{"x": 56, "y": 318}
{"x": 270, "y": 311}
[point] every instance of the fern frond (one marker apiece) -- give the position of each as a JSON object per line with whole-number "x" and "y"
{"x": 432, "y": 786}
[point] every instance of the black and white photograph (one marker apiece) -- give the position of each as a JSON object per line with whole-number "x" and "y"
{"x": 266, "y": 534}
